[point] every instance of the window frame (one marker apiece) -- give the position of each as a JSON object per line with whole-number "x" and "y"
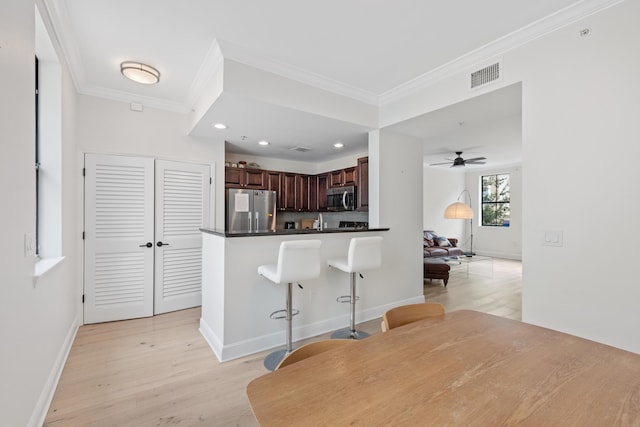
{"x": 498, "y": 204}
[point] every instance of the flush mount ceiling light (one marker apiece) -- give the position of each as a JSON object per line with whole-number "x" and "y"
{"x": 338, "y": 145}
{"x": 263, "y": 142}
{"x": 220, "y": 126}
{"x": 140, "y": 73}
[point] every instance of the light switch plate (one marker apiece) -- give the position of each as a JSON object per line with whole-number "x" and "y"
{"x": 552, "y": 238}
{"x": 29, "y": 245}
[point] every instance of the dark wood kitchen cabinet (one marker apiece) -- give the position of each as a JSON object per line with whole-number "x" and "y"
{"x": 287, "y": 191}
{"x": 363, "y": 184}
{"x": 321, "y": 192}
{"x": 245, "y": 178}
{"x": 302, "y": 193}
{"x": 343, "y": 177}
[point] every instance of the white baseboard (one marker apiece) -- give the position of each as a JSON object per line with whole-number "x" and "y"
{"x": 46, "y": 396}
{"x": 243, "y": 348}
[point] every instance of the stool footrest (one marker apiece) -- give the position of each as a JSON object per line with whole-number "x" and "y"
{"x": 282, "y": 314}
{"x": 346, "y": 299}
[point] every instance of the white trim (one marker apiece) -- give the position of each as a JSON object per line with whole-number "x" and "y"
{"x": 211, "y": 64}
{"x": 128, "y": 97}
{"x": 483, "y": 54}
{"x": 262, "y": 62}
{"x": 58, "y": 17}
{"x": 239, "y": 349}
{"x": 46, "y": 395}
{"x": 43, "y": 266}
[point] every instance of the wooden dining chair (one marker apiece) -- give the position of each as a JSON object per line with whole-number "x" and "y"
{"x": 405, "y": 314}
{"x": 312, "y": 349}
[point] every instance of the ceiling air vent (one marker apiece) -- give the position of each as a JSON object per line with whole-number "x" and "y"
{"x": 300, "y": 149}
{"x": 485, "y": 75}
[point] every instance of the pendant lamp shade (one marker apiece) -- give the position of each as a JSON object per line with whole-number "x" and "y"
{"x": 458, "y": 210}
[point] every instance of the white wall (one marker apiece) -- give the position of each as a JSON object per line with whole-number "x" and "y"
{"x": 500, "y": 242}
{"x": 580, "y": 145}
{"x": 580, "y": 107}
{"x": 441, "y": 187}
{"x": 110, "y": 127}
{"x": 312, "y": 168}
{"x": 395, "y": 201}
{"x": 38, "y": 321}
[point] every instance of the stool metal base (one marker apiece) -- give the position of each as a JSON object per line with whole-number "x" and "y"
{"x": 347, "y": 333}
{"x": 273, "y": 359}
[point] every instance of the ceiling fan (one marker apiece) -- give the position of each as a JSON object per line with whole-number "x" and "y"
{"x": 459, "y": 161}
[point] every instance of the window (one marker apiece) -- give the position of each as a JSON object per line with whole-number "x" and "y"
{"x": 496, "y": 197}
{"x": 37, "y": 160}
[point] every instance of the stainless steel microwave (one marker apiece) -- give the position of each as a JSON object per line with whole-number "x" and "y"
{"x": 341, "y": 198}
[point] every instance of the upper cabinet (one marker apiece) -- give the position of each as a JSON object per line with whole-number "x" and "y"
{"x": 343, "y": 177}
{"x": 300, "y": 192}
{"x": 245, "y": 178}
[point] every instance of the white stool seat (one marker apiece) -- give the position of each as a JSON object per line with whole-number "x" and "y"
{"x": 365, "y": 253}
{"x": 297, "y": 261}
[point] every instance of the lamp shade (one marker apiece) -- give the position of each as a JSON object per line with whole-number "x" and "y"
{"x": 458, "y": 210}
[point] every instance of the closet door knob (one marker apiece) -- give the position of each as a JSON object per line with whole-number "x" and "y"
{"x": 162, "y": 244}
{"x": 148, "y": 245}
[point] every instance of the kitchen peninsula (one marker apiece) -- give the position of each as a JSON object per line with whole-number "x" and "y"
{"x": 237, "y": 302}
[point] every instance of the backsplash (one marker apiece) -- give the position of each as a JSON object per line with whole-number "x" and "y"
{"x": 331, "y": 219}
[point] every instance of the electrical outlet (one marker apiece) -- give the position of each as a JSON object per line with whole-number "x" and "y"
{"x": 29, "y": 245}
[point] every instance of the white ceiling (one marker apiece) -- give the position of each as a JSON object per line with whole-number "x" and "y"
{"x": 365, "y": 49}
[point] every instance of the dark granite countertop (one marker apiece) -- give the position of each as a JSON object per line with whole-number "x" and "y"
{"x": 223, "y": 233}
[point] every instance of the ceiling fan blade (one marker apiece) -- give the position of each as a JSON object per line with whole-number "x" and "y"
{"x": 437, "y": 164}
{"x": 475, "y": 159}
{"x": 475, "y": 163}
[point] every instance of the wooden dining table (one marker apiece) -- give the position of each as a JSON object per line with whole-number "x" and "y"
{"x": 465, "y": 368}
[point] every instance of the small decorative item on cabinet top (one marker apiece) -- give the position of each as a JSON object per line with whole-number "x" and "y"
{"x": 253, "y": 165}
{"x": 242, "y": 164}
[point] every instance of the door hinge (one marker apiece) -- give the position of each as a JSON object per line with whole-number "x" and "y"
{"x": 84, "y": 171}
{"x": 83, "y": 298}
{"x": 210, "y": 180}
{"x": 83, "y": 235}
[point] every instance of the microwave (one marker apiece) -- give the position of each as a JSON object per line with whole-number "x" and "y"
{"x": 341, "y": 198}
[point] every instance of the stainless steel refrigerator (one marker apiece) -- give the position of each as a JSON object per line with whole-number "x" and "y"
{"x": 251, "y": 210}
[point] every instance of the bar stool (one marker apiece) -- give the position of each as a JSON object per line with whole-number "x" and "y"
{"x": 365, "y": 253}
{"x": 297, "y": 261}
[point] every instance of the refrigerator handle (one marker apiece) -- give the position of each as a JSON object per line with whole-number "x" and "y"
{"x": 257, "y": 225}
{"x": 250, "y": 222}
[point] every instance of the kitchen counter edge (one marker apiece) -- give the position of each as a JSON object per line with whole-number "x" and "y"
{"x": 290, "y": 232}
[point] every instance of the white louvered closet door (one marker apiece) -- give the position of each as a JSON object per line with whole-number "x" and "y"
{"x": 119, "y": 231}
{"x": 182, "y": 208}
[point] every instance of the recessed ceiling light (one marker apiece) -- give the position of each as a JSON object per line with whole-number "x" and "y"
{"x": 140, "y": 73}
{"x": 263, "y": 142}
{"x": 338, "y": 145}
{"x": 220, "y": 126}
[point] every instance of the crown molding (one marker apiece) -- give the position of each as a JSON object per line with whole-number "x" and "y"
{"x": 128, "y": 97}
{"x": 262, "y": 62}
{"x": 524, "y": 35}
{"x": 220, "y": 50}
{"x": 211, "y": 63}
{"x": 58, "y": 16}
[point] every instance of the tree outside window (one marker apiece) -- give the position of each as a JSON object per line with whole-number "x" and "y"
{"x": 496, "y": 197}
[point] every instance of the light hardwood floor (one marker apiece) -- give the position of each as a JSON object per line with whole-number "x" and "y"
{"x": 159, "y": 371}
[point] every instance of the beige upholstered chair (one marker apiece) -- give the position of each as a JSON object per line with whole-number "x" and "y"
{"x": 312, "y": 349}
{"x": 405, "y": 314}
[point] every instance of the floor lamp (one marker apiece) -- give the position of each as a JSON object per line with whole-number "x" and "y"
{"x": 460, "y": 210}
